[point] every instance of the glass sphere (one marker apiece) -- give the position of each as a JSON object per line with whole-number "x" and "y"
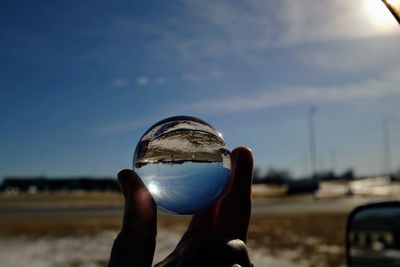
{"x": 184, "y": 163}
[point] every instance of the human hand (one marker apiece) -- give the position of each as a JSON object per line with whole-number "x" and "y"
{"x": 216, "y": 236}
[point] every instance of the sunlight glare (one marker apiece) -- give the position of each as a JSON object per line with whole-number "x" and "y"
{"x": 395, "y": 5}
{"x": 378, "y": 14}
{"x": 153, "y": 188}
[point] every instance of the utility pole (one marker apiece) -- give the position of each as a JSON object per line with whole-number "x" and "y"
{"x": 333, "y": 160}
{"x": 387, "y": 155}
{"x": 313, "y": 147}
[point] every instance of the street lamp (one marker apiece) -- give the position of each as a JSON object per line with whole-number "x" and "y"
{"x": 387, "y": 155}
{"x": 394, "y": 8}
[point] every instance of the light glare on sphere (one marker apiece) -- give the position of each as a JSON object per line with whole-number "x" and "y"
{"x": 184, "y": 163}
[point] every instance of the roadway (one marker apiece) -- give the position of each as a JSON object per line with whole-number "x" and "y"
{"x": 260, "y": 208}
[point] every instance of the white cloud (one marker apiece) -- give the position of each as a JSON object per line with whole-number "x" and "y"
{"x": 160, "y": 80}
{"x": 387, "y": 85}
{"x": 353, "y": 56}
{"x": 246, "y": 31}
{"x": 235, "y": 28}
{"x": 120, "y": 82}
{"x": 146, "y": 80}
{"x": 312, "y": 20}
{"x": 209, "y": 73}
{"x": 122, "y": 127}
{"x": 142, "y": 80}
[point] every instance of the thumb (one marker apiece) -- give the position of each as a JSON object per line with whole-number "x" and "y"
{"x": 135, "y": 243}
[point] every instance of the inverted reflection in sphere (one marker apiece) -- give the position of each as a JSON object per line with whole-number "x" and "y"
{"x": 184, "y": 163}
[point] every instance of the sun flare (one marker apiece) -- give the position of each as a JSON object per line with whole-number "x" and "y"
{"x": 378, "y": 14}
{"x": 154, "y": 189}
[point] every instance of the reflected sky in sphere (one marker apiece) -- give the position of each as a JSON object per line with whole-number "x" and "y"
{"x": 184, "y": 163}
{"x": 184, "y": 188}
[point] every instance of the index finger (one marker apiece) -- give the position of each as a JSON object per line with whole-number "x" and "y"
{"x": 233, "y": 214}
{"x": 135, "y": 244}
{"x": 234, "y": 205}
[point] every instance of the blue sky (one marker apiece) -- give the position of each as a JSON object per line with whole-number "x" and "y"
{"x": 81, "y": 81}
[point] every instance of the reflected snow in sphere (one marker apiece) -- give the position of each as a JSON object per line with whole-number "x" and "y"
{"x": 184, "y": 163}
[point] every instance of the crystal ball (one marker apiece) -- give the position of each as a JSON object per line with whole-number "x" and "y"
{"x": 184, "y": 163}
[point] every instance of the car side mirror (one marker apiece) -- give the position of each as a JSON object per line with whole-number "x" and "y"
{"x": 373, "y": 235}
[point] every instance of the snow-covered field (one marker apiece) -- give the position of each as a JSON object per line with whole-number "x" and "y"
{"x": 49, "y": 230}
{"x": 93, "y": 251}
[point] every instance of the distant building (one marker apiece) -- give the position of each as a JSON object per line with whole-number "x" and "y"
{"x": 40, "y": 184}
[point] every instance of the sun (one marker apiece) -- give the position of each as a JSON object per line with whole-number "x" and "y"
{"x": 154, "y": 189}
{"x": 378, "y": 14}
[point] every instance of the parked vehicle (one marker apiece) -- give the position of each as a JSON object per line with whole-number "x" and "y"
{"x": 373, "y": 235}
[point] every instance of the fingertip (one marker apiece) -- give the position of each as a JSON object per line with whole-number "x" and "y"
{"x": 244, "y": 153}
{"x": 235, "y": 207}
{"x": 129, "y": 181}
{"x": 123, "y": 179}
{"x": 140, "y": 208}
{"x": 242, "y": 167}
{"x": 125, "y": 173}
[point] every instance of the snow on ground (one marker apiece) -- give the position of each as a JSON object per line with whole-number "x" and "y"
{"x": 93, "y": 251}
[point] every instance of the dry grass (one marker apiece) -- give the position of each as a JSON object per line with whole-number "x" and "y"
{"x": 317, "y": 238}
{"x": 25, "y": 199}
{"x": 57, "y": 226}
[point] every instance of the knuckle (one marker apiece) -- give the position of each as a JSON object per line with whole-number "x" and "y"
{"x": 237, "y": 244}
